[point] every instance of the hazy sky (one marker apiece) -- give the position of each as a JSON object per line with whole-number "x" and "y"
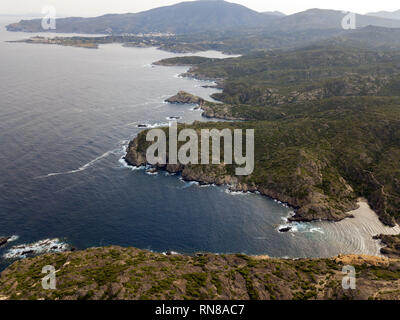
{"x": 98, "y": 7}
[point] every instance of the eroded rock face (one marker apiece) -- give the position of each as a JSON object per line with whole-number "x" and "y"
{"x": 133, "y": 156}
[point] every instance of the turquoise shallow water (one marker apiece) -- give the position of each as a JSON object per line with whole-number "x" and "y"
{"x": 66, "y": 115}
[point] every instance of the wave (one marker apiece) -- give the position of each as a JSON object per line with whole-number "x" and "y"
{"x": 152, "y": 173}
{"x": 237, "y": 193}
{"x": 125, "y": 165}
{"x": 300, "y": 227}
{"x": 189, "y": 184}
{"x": 208, "y": 185}
{"x": 82, "y": 168}
{"x": 33, "y": 249}
{"x": 173, "y": 118}
{"x": 151, "y": 126}
{"x": 170, "y": 253}
{"x": 13, "y": 238}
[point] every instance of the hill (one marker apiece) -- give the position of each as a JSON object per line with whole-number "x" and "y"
{"x": 185, "y": 17}
{"x": 370, "y": 37}
{"x": 202, "y": 16}
{"x": 386, "y": 14}
{"x": 326, "y": 122}
{"x": 128, "y": 273}
{"x": 322, "y": 19}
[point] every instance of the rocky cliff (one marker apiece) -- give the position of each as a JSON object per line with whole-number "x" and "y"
{"x": 295, "y": 190}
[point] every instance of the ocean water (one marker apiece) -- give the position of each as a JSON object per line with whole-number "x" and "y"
{"x": 66, "y": 116}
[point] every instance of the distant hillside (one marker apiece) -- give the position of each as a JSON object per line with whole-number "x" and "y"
{"x": 204, "y": 16}
{"x": 185, "y": 17}
{"x": 275, "y": 13}
{"x": 386, "y": 14}
{"x": 328, "y": 19}
{"x": 370, "y": 37}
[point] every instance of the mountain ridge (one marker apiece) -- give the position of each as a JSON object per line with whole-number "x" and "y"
{"x": 181, "y": 18}
{"x": 386, "y": 14}
{"x": 201, "y": 16}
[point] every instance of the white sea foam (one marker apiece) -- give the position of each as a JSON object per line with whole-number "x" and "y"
{"x": 236, "y": 193}
{"x": 40, "y": 247}
{"x": 173, "y": 118}
{"x": 10, "y": 239}
{"x": 152, "y": 126}
{"x": 300, "y": 227}
{"x": 172, "y": 253}
{"x": 196, "y": 108}
{"x": 82, "y": 168}
{"x": 150, "y": 173}
{"x": 124, "y": 164}
{"x": 13, "y": 238}
{"x": 207, "y": 185}
{"x": 188, "y": 184}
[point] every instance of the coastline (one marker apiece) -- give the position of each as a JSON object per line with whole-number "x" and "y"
{"x": 136, "y": 157}
{"x": 357, "y": 211}
{"x": 361, "y": 217}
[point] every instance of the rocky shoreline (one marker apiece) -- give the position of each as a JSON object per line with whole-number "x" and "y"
{"x": 391, "y": 245}
{"x": 305, "y": 211}
{"x": 22, "y": 251}
{"x": 210, "y": 109}
{"x": 136, "y": 157}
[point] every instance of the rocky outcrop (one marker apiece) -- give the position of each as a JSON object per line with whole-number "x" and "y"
{"x": 210, "y": 109}
{"x": 391, "y": 245}
{"x": 133, "y": 156}
{"x": 37, "y": 248}
{"x": 4, "y": 240}
{"x": 185, "y": 98}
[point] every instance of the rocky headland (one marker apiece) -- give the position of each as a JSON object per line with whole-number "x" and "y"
{"x": 210, "y": 109}
{"x": 307, "y": 209}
